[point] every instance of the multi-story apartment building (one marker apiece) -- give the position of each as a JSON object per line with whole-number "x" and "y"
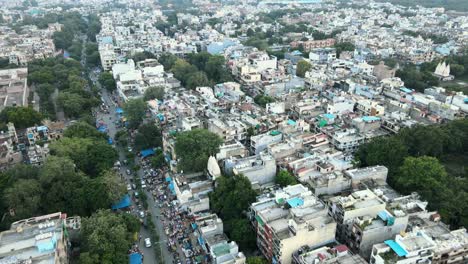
{"x": 259, "y": 169}
{"x": 260, "y": 142}
{"x": 41, "y": 239}
{"x": 345, "y": 209}
{"x": 289, "y": 219}
{"x": 413, "y": 248}
{"x": 339, "y": 254}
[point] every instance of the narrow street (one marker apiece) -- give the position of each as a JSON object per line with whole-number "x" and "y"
{"x": 149, "y": 253}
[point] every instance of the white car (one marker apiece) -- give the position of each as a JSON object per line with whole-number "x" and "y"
{"x": 142, "y": 214}
{"x": 129, "y": 187}
{"x": 147, "y": 242}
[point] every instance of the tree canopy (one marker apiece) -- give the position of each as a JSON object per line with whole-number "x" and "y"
{"x": 230, "y": 200}
{"x": 90, "y": 155}
{"x": 148, "y": 136}
{"x": 194, "y": 147}
{"x": 302, "y": 67}
{"x": 107, "y": 81}
{"x": 419, "y": 158}
{"x": 21, "y": 117}
{"x": 83, "y": 130}
{"x": 134, "y": 111}
{"x": 107, "y": 237}
{"x": 285, "y": 178}
{"x": 155, "y": 92}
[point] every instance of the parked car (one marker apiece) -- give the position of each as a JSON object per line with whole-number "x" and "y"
{"x": 142, "y": 214}
{"x": 147, "y": 242}
{"x": 129, "y": 187}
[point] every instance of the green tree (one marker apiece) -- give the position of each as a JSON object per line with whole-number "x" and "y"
{"x": 240, "y": 230}
{"x": 256, "y": 260}
{"x": 121, "y": 137}
{"x": 106, "y": 238}
{"x": 21, "y": 117}
{"x": 389, "y": 152}
{"x": 457, "y": 69}
{"x": 107, "y": 81}
{"x": 83, "y": 130}
{"x": 63, "y": 187}
{"x": 134, "y": 111}
{"x": 168, "y": 60}
{"x": 141, "y": 56}
{"x": 263, "y": 100}
{"x": 158, "y": 161}
{"x": 420, "y": 173}
{"x": 148, "y": 136}
{"x": 197, "y": 79}
{"x": 155, "y": 92}
{"x": 285, "y": 178}
{"x": 302, "y": 67}
{"x": 71, "y": 103}
{"x": 344, "y": 46}
{"x": 24, "y": 198}
{"x": 232, "y": 196}
{"x": 90, "y": 155}
{"x": 216, "y": 70}
{"x": 194, "y": 147}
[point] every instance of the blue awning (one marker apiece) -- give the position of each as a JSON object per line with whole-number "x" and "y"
{"x": 147, "y": 152}
{"x": 135, "y": 258}
{"x": 401, "y": 252}
{"x": 123, "y": 203}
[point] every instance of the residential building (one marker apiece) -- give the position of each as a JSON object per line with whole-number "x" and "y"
{"x": 41, "y": 239}
{"x": 288, "y": 219}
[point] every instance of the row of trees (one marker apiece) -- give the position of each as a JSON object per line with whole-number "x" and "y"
{"x": 200, "y": 69}
{"x": 414, "y": 158}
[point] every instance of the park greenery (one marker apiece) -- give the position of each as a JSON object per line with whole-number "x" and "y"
{"x": 194, "y": 147}
{"x": 429, "y": 160}
{"x": 58, "y": 83}
{"x": 230, "y": 200}
{"x": 421, "y": 77}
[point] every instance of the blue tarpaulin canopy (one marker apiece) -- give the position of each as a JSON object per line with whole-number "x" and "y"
{"x": 135, "y": 258}
{"x": 147, "y": 152}
{"x": 401, "y": 252}
{"x": 119, "y": 110}
{"x": 124, "y": 202}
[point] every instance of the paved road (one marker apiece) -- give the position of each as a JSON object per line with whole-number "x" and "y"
{"x": 149, "y": 254}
